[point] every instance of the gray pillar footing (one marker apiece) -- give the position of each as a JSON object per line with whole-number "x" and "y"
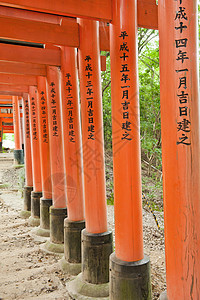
{"x": 19, "y": 157}
{"x": 71, "y": 263}
{"x": 130, "y": 280}
{"x": 44, "y": 229}
{"x": 56, "y": 243}
{"x": 163, "y": 296}
{"x": 93, "y": 282}
{"x": 34, "y": 219}
{"x": 27, "y": 202}
{"x": 79, "y": 289}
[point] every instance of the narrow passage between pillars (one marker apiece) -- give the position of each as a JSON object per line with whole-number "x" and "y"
{"x": 28, "y": 188}
{"x": 129, "y": 267}
{"x": 75, "y": 222}
{"x": 96, "y": 239}
{"x": 34, "y": 220}
{"x": 58, "y": 212}
{"x": 179, "y": 86}
{"x": 18, "y": 152}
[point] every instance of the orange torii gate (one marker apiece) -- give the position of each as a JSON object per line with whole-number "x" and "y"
{"x": 180, "y": 140}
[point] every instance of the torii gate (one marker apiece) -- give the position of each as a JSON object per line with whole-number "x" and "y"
{"x": 179, "y": 104}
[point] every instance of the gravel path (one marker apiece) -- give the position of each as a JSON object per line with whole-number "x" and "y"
{"x": 28, "y": 273}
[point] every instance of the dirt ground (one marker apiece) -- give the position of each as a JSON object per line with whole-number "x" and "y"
{"x": 28, "y": 273}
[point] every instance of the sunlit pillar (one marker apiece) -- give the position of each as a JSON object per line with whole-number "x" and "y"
{"x": 36, "y": 161}
{"x": 96, "y": 239}
{"x": 46, "y": 200}
{"x": 58, "y": 212}
{"x": 18, "y": 152}
{"x": 179, "y": 87}
{"x": 28, "y": 188}
{"x": 73, "y": 161}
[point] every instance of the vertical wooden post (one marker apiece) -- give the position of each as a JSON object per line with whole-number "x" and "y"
{"x": 180, "y": 145}
{"x": 18, "y": 152}
{"x": 73, "y": 160}
{"x": 36, "y": 162}
{"x": 46, "y": 200}
{"x": 96, "y": 240}
{"x": 58, "y": 211}
{"x": 28, "y": 158}
{"x": 128, "y": 260}
{"x": 21, "y": 122}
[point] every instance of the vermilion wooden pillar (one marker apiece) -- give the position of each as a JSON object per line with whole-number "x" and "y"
{"x": 44, "y": 138}
{"x": 58, "y": 211}
{"x": 21, "y": 122}
{"x": 96, "y": 240}
{"x": 92, "y": 127}
{"x": 72, "y": 134}
{"x": 180, "y": 145}
{"x": 27, "y": 158}
{"x": 46, "y": 200}
{"x": 73, "y": 160}
{"x": 130, "y": 269}
{"x": 18, "y": 152}
{"x": 36, "y": 161}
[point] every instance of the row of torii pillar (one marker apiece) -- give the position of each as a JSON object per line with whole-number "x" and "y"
{"x": 64, "y": 157}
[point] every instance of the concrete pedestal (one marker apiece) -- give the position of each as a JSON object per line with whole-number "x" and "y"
{"x": 44, "y": 228}
{"x": 56, "y": 243}
{"x": 93, "y": 281}
{"x": 71, "y": 263}
{"x": 34, "y": 219}
{"x": 130, "y": 280}
{"x": 19, "y": 157}
{"x": 163, "y": 296}
{"x": 27, "y": 202}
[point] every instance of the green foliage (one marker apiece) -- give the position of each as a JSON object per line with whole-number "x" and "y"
{"x": 8, "y": 136}
{"x": 150, "y": 104}
{"x": 106, "y": 93}
{"x": 148, "y": 50}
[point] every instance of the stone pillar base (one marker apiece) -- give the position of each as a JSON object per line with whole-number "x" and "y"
{"x": 96, "y": 249}
{"x": 25, "y": 214}
{"x": 19, "y": 157}
{"x": 53, "y": 248}
{"x": 56, "y": 243}
{"x": 33, "y": 222}
{"x": 44, "y": 229}
{"x": 81, "y": 290}
{"x": 130, "y": 280}
{"x": 163, "y": 296}
{"x": 27, "y": 202}
{"x": 71, "y": 263}
{"x": 70, "y": 268}
{"x": 34, "y": 219}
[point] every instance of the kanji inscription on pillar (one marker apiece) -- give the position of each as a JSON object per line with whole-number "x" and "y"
{"x": 181, "y": 43}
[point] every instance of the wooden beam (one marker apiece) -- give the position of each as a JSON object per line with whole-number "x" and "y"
{"x": 13, "y": 88}
{"x": 30, "y": 55}
{"x": 29, "y": 15}
{"x": 5, "y": 115}
{"x": 147, "y": 10}
{"x": 22, "y": 68}
{"x": 5, "y": 98}
{"x": 7, "y": 120}
{"x": 96, "y": 9}
{"x": 65, "y": 34}
{"x": 19, "y": 94}
{"x": 17, "y": 80}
